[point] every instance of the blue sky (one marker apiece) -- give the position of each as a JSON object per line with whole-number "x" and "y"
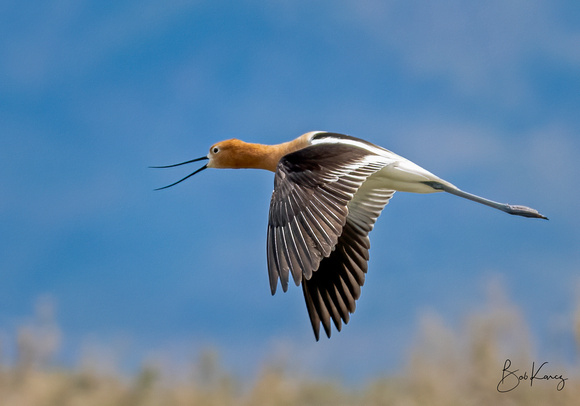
{"x": 91, "y": 93}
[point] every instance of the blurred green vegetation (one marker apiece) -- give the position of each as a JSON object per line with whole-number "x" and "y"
{"x": 446, "y": 366}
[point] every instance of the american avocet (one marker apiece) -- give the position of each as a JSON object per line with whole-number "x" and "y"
{"x": 329, "y": 189}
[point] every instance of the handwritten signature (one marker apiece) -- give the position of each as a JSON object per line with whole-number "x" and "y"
{"x": 510, "y": 379}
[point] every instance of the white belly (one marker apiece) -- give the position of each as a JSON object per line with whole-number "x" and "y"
{"x": 405, "y": 176}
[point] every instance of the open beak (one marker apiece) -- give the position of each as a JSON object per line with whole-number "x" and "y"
{"x": 183, "y": 163}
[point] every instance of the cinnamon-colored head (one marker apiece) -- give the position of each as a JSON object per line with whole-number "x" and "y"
{"x": 235, "y": 154}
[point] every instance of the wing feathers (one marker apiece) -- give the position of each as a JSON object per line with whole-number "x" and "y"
{"x": 323, "y": 207}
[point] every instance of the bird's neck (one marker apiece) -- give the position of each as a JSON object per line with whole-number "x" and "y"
{"x": 266, "y": 157}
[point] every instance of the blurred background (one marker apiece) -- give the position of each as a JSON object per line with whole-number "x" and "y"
{"x": 485, "y": 95}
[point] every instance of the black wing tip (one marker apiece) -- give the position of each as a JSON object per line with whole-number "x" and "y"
{"x": 328, "y": 329}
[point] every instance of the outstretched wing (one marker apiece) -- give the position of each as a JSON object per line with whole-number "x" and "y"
{"x": 332, "y": 291}
{"x": 320, "y": 215}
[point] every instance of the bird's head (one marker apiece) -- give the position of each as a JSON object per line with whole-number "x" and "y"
{"x": 231, "y": 153}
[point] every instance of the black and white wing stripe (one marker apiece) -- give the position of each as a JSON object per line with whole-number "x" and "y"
{"x": 332, "y": 291}
{"x": 318, "y": 229}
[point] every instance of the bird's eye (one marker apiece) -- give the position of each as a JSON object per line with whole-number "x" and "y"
{"x": 215, "y": 150}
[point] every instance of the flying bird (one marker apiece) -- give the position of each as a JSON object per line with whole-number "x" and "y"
{"x": 329, "y": 189}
